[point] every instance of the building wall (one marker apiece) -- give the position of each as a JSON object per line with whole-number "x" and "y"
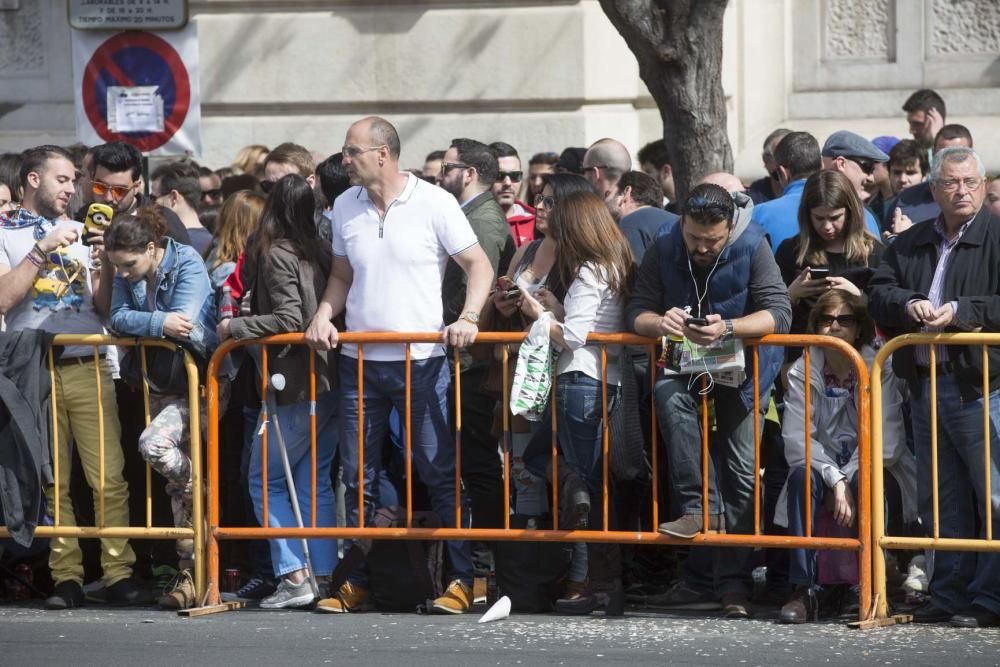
{"x": 541, "y": 75}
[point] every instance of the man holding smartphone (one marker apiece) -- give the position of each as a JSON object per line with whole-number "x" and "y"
{"x": 712, "y": 277}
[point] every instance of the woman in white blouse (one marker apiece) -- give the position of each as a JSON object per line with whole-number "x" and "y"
{"x": 594, "y": 259}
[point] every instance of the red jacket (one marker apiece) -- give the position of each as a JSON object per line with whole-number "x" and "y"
{"x": 521, "y": 219}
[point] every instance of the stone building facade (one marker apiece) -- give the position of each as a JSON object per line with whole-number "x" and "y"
{"x": 539, "y": 74}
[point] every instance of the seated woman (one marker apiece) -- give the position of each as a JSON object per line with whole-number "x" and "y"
{"x": 162, "y": 290}
{"x": 834, "y": 438}
{"x": 289, "y": 266}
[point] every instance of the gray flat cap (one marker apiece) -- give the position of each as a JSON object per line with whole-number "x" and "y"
{"x": 848, "y": 144}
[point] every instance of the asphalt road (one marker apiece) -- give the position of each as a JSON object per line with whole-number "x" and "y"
{"x": 106, "y": 636}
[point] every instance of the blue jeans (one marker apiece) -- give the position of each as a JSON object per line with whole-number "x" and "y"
{"x": 432, "y": 445}
{"x": 579, "y": 405}
{"x": 287, "y": 554}
{"x": 730, "y": 476}
{"x": 802, "y": 562}
{"x": 960, "y": 578}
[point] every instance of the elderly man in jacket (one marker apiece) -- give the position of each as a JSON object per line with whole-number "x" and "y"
{"x": 716, "y": 265}
{"x": 944, "y": 275}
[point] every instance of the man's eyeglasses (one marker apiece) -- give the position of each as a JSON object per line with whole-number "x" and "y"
{"x": 355, "y": 151}
{"x": 951, "y": 184}
{"x": 547, "y": 201}
{"x": 514, "y": 176}
{"x": 845, "y": 320}
{"x": 866, "y": 166}
{"x": 266, "y": 186}
{"x": 101, "y": 189}
{"x": 446, "y": 166}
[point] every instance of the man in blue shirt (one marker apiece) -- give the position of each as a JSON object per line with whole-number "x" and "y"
{"x": 797, "y": 157}
{"x": 636, "y": 209}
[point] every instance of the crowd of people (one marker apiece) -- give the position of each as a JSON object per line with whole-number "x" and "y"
{"x": 857, "y": 239}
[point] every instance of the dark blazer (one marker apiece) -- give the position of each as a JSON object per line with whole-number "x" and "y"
{"x": 972, "y": 279}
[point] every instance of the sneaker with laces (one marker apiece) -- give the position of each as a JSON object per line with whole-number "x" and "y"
{"x": 456, "y": 599}
{"x": 289, "y": 595}
{"x": 67, "y": 595}
{"x": 350, "y": 598}
{"x": 257, "y": 588}
{"x": 181, "y": 594}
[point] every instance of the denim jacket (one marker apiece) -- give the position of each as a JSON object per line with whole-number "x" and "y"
{"x": 181, "y": 285}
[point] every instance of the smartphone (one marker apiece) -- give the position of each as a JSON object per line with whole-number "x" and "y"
{"x": 98, "y": 219}
{"x": 513, "y": 292}
{"x": 697, "y": 321}
{"x": 819, "y": 274}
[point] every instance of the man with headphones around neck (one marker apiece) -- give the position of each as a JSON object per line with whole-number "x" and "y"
{"x": 715, "y": 265}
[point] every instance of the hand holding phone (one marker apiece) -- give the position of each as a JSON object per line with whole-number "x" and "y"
{"x": 97, "y": 221}
{"x": 697, "y": 321}
{"x": 819, "y": 274}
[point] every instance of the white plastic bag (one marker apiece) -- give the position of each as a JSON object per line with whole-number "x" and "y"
{"x": 533, "y": 373}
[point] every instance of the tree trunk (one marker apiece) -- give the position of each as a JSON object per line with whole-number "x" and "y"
{"x": 678, "y": 44}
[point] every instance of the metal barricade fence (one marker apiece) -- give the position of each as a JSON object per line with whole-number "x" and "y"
{"x": 216, "y": 532}
{"x": 881, "y": 539}
{"x": 147, "y": 531}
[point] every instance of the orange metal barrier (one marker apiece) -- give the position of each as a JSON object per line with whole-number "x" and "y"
{"x": 147, "y": 531}
{"x": 883, "y": 540}
{"x": 861, "y": 544}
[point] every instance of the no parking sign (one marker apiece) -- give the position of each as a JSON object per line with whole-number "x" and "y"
{"x": 140, "y": 87}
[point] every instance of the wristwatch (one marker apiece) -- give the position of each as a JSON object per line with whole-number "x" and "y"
{"x": 728, "y": 334}
{"x": 470, "y": 316}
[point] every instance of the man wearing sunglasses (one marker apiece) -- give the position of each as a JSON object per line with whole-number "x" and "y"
{"x": 116, "y": 180}
{"x": 855, "y": 157}
{"x": 520, "y": 216}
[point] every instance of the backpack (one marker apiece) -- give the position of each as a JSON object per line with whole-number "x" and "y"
{"x": 529, "y": 573}
{"x": 403, "y": 574}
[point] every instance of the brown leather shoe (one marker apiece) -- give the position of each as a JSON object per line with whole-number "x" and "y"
{"x": 800, "y": 608}
{"x": 736, "y": 605}
{"x": 689, "y": 525}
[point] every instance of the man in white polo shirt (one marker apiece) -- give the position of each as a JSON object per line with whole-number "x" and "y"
{"x": 392, "y": 237}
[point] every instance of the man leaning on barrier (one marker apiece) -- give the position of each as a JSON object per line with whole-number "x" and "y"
{"x": 393, "y": 234}
{"x": 944, "y": 275}
{"x": 715, "y": 264}
{"x": 46, "y": 283}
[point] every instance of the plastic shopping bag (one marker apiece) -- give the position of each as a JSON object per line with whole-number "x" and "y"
{"x": 533, "y": 373}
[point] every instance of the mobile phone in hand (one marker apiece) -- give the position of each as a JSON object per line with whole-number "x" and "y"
{"x": 819, "y": 274}
{"x": 697, "y": 321}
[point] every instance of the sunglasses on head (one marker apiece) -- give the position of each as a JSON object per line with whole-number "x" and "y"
{"x": 514, "y": 176}
{"x": 100, "y": 189}
{"x": 699, "y": 204}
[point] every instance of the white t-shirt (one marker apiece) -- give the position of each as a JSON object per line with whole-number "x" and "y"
{"x": 398, "y": 263}
{"x": 60, "y": 300}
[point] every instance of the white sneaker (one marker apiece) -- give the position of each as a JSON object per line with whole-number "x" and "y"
{"x": 289, "y": 596}
{"x": 916, "y": 578}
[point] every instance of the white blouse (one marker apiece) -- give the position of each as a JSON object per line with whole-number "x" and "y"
{"x": 591, "y": 307}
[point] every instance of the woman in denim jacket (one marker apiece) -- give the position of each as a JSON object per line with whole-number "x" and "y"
{"x": 162, "y": 290}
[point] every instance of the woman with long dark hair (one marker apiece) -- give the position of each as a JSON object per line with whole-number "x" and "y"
{"x": 833, "y": 249}
{"x": 289, "y": 266}
{"x": 594, "y": 259}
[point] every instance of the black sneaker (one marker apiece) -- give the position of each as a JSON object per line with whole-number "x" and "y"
{"x": 125, "y": 593}
{"x": 257, "y": 588}
{"x": 67, "y": 595}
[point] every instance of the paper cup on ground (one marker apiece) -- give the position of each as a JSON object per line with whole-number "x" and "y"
{"x": 499, "y": 610}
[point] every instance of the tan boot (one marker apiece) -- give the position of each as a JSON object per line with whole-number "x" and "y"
{"x": 349, "y": 598}
{"x": 181, "y": 595}
{"x": 456, "y": 599}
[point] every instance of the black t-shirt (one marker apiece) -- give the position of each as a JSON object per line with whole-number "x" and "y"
{"x": 857, "y": 273}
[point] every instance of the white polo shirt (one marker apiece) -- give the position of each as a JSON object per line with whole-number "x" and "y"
{"x": 398, "y": 263}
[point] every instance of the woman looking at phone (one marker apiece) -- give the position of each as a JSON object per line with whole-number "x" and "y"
{"x": 833, "y": 249}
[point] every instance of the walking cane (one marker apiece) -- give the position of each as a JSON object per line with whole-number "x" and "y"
{"x": 278, "y": 384}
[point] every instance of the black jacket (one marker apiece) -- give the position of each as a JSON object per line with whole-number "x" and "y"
{"x": 25, "y": 429}
{"x": 972, "y": 279}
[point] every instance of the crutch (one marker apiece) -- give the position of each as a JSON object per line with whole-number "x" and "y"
{"x": 278, "y": 384}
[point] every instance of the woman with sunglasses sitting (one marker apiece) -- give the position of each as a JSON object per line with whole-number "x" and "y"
{"x": 833, "y": 249}
{"x": 162, "y": 290}
{"x": 833, "y": 435}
